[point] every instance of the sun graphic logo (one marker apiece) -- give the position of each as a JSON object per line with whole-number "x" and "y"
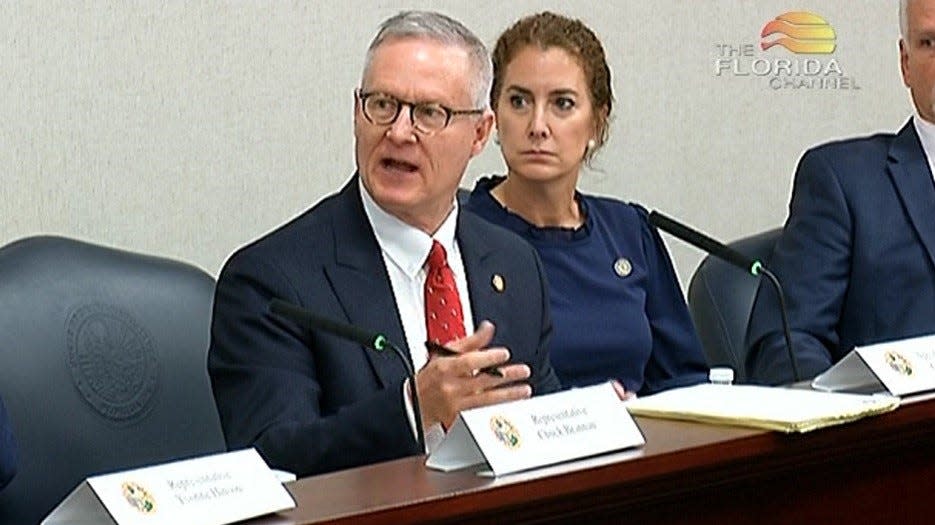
{"x": 800, "y": 32}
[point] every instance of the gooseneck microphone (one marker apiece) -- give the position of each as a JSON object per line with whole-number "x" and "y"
{"x": 705, "y": 243}
{"x": 373, "y": 341}
{"x": 726, "y": 253}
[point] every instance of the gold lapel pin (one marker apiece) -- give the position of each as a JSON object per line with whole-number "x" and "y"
{"x": 498, "y": 283}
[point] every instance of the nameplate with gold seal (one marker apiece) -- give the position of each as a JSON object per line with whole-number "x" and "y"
{"x": 543, "y": 430}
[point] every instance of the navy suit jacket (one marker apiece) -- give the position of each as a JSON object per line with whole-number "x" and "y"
{"x": 856, "y": 257}
{"x": 311, "y": 403}
{"x": 7, "y": 448}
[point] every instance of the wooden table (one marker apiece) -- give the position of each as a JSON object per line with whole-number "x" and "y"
{"x": 876, "y": 470}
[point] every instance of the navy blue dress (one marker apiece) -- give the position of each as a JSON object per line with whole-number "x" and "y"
{"x": 617, "y": 308}
{"x": 7, "y": 448}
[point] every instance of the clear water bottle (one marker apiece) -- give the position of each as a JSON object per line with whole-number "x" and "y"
{"x": 721, "y": 375}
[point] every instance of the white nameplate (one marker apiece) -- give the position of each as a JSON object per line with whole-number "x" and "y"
{"x": 540, "y": 431}
{"x": 901, "y": 367}
{"x": 212, "y": 490}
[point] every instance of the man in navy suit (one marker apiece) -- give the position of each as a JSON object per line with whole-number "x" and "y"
{"x": 312, "y": 403}
{"x": 857, "y": 255}
{"x": 7, "y": 448}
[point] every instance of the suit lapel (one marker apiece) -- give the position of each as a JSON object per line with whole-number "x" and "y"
{"x": 909, "y": 170}
{"x": 361, "y": 284}
{"x": 480, "y": 264}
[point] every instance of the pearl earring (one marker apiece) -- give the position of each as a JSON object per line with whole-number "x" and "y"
{"x": 591, "y": 145}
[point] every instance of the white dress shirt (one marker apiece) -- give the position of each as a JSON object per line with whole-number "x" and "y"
{"x": 926, "y": 132}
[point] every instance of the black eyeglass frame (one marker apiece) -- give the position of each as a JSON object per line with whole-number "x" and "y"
{"x": 449, "y": 112}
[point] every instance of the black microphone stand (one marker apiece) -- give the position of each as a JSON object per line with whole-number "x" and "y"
{"x": 787, "y": 333}
{"x": 377, "y": 342}
{"x": 380, "y": 343}
{"x": 725, "y": 253}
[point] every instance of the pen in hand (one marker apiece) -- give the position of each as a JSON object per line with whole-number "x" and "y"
{"x": 442, "y": 350}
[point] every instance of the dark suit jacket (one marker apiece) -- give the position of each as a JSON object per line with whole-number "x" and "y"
{"x": 856, "y": 257}
{"x": 7, "y": 448}
{"x": 311, "y": 403}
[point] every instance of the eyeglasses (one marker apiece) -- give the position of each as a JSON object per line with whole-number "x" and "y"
{"x": 427, "y": 117}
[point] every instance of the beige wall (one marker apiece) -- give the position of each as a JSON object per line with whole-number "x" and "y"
{"x": 187, "y": 129}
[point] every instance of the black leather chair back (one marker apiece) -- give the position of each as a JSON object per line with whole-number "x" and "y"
{"x": 102, "y": 366}
{"x": 720, "y": 298}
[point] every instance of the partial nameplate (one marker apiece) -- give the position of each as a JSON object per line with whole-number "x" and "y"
{"x": 540, "y": 431}
{"x": 212, "y": 490}
{"x": 902, "y": 367}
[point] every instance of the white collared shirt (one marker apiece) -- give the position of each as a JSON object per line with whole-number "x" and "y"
{"x": 926, "y": 132}
{"x": 405, "y": 250}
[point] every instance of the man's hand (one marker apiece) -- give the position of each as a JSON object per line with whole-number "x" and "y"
{"x": 448, "y": 385}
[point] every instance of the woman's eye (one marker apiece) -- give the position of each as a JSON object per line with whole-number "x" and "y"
{"x": 518, "y": 101}
{"x": 564, "y": 103}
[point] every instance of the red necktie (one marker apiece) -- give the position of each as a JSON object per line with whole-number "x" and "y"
{"x": 444, "y": 320}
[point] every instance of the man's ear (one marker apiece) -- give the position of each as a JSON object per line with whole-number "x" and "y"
{"x": 482, "y": 132}
{"x": 904, "y": 60}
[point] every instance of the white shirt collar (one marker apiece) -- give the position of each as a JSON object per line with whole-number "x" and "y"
{"x": 926, "y": 132}
{"x": 406, "y": 246}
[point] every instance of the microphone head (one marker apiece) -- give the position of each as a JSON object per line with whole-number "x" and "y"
{"x": 757, "y": 267}
{"x": 379, "y": 342}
